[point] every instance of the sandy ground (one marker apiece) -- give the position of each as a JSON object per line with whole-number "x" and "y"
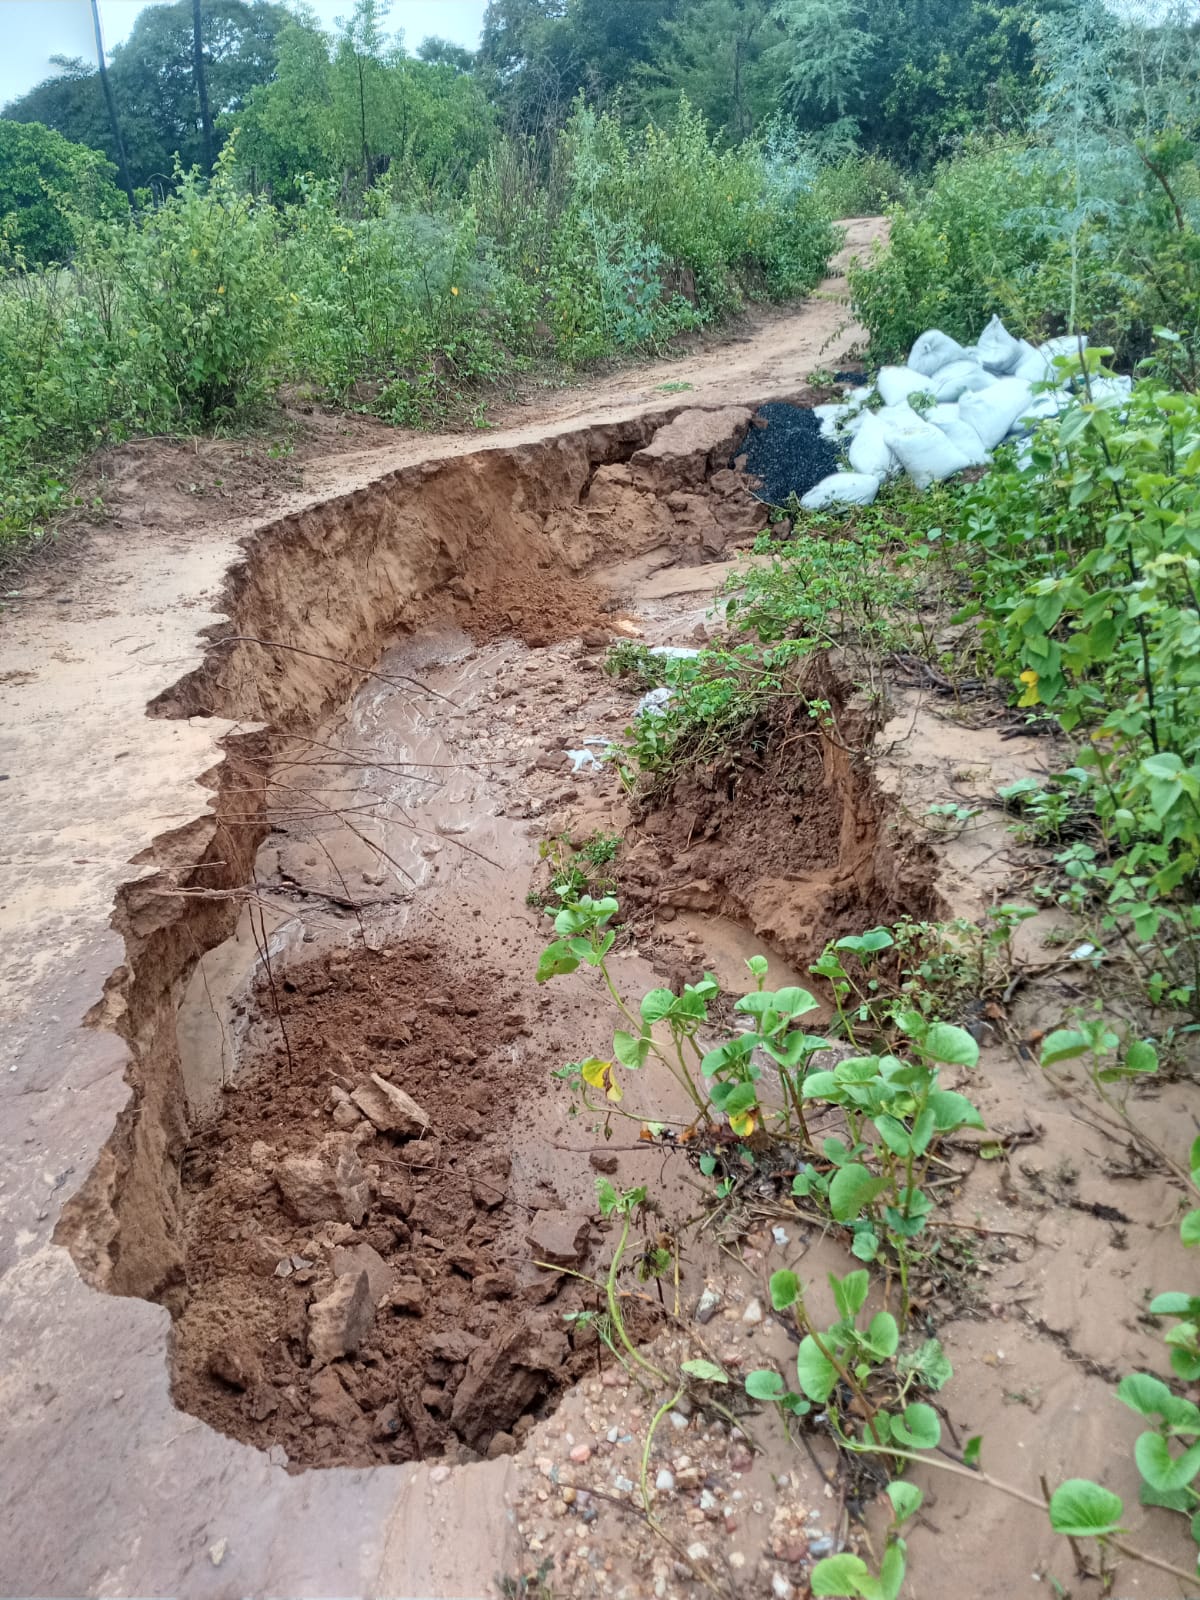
{"x": 107, "y": 1489}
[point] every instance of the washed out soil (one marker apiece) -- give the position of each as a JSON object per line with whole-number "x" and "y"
{"x": 463, "y": 1344}
{"x": 787, "y": 832}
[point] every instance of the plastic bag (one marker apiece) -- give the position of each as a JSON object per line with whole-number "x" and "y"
{"x": 993, "y": 411}
{"x": 897, "y": 383}
{"x": 868, "y": 452}
{"x": 926, "y": 453}
{"x": 842, "y": 489}
{"x": 999, "y": 352}
{"x": 933, "y": 351}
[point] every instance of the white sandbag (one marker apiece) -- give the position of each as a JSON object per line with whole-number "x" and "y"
{"x": 1033, "y": 366}
{"x": 999, "y": 352}
{"x": 925, "y": 453}
{"x": 868, "y": 452}
{"x": 933, "y": 351}
{"x": 842, "y": 489}
{"x": 897, "y": 383}
{"x": 1107, "y": 391}
{"x": 1050, "y": 403}
{"x": 993, "y": 411}
{"x": 827, "y": 417}
{"x": 959, "y": 378}
{"x": 939, "y": 415}
{"x": 964, "y": 438}
{"x": 1066, "y": 345}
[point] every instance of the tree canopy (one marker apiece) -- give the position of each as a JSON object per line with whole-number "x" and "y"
{"x": 43, "y": 179}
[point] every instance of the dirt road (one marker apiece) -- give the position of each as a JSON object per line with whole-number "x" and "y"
{"x": 107, "y": 1488}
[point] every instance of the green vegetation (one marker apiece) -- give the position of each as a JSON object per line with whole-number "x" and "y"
{"x": 191, "y": 314}
{"x": 1086, "y": 220}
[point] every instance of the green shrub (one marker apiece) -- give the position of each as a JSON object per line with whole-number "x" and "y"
{"x": 861, "y": 185}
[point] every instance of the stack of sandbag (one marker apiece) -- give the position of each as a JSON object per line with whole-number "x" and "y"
{"x": 948, "y": 408}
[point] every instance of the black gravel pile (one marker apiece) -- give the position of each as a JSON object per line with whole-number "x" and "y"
{"x": 789, "y": 454}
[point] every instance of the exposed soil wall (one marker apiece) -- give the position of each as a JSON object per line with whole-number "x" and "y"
{"x": 492, "y": 539}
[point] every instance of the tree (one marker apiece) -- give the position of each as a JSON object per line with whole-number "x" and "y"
{"x": 206, "y": 126}
{"x": 44, "y": 181}
{"x": 719, "y": 54}
{"x": 911, "y": 76}
{"x": 154, "y": 87}
{"x": 110, "y": 104}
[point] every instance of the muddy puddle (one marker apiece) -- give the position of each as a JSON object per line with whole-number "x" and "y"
{"x": 353, "y": 1177}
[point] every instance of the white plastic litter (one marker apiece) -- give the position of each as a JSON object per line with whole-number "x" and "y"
{"x": 842, "y": 489}
{"x": 869, "y": 452}
{"x": 925, "y": 452}
{"x": 583, "y": 761}
{"x": 653, "y": 703}
{"x": 933, "y": 351}
{"x": 674, "y": 652}
{"x": 897, "y": 383}
{"x": 993, "y": 411}
{"x": 959, "y": 378}
{"x": 999, "y": 352}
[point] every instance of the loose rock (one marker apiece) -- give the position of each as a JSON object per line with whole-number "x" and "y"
{"x": 390, "y": 1109}
{"x": 559, "y": 1238}
{"x": 329, "y": 1186}
{"x": 338, "y": 1324}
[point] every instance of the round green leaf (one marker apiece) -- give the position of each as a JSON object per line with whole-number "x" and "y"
{"x": 838, "y": 1576}
{"x": 851, "y": 1189}
{"x": 816, "y": 1374}
{"x": 1162, "y": 1470}
{"x": 906, "y": 1499}
{"x": 883, "y": 1336}
{"x": 954, "y": 1046}
{"x": 785, "y": 1289}
{"x": 919, "y": 1427}
{"x": 1083, "y": 1510}
{"x": 1189, "y": 1228}
{"x": 763, "y": 1384}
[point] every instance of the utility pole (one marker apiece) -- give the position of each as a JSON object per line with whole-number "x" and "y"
{"x": 206, "y": 126}
{"x": 110, "y": 102}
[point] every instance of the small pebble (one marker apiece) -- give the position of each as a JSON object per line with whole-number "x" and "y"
{"x": 613, "y": 1435}
{"x": 708, "y": 1500}
{"x": 707, "y": 1305}
{"x": 753, "y": 1313}
{"x": 216, "y": 1552}
{"x": 665, "y": 1481}
{"x": 439, "y": 1474}
{"x": 821, "y": 1547}
{"x": 697, "y": 1551}
{"x": 780, "y": 1587}
{"x": 623, "y": 1485}
{"x": 678, "y": 1420}
{"x": 581, "y": 1453}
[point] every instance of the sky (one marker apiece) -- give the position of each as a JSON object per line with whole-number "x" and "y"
{"x": 31, "y": 31}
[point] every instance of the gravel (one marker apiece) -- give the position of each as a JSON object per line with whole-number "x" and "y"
{"x": 788, "y": 455}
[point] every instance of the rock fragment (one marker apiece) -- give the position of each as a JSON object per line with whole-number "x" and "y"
{"x": 390, "y": 1109}
{"x": 328, "y": 1186}
{"x": 338, "y": 1324}
{"x": 559, "y": 1238}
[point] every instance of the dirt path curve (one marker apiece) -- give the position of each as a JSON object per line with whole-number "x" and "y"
{"x": 107, "y": 1489}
